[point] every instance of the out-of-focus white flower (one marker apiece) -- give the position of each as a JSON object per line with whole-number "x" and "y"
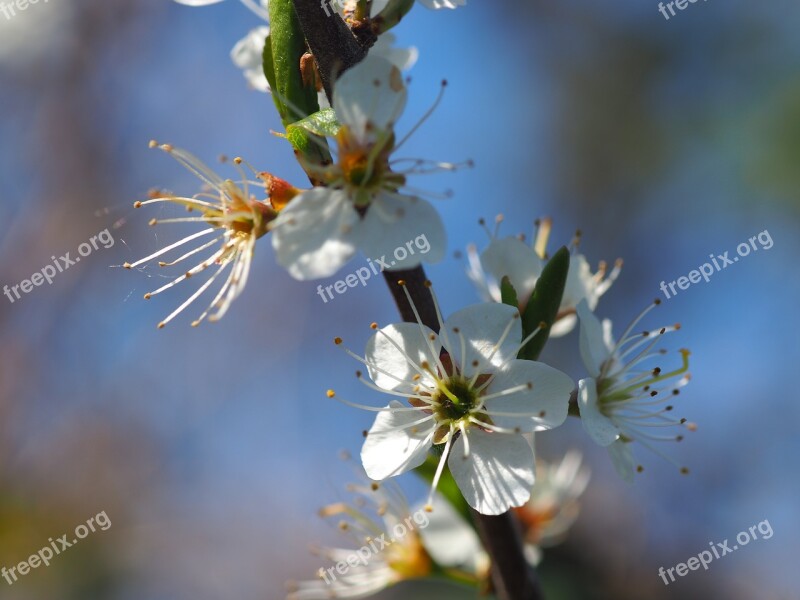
{"x": 553, "y": 506}
{"x": 452, "y": 542}
{"x": 34, "y": 34}
{"x": 467, "y": 394}
{"x": 437, "y": 4}
{"x": 379, "y": 5}
{"x": 247, "y": 55}
{"x": 390, "y": 543}
{"x": 523, "y": 265}
{"x": 622, "y": 402}
{"x": 233, "y": 218}
{"x": 248, "y": 52}
{"x": 363, "y": 206}
{"x": 260, "y": 9}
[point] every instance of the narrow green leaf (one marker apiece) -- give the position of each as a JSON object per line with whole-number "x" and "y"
{"x": 544, "y": 302}
{"x": 322, "y": 123}
{"x": 508, "y": 295}
{"x": 269, "y": 68}
{"x": 293, "y": 99}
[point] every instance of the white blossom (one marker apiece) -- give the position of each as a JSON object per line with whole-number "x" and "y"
{"x": 364, "y": 205}
{"x": 389, "y": 542}
{"x": 553, "y": 506}
{"x": 523, "y": 264}
{"x": 623, "y": 401}
{"x": 466, "y": 394}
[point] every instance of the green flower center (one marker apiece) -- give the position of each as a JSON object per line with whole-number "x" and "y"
{"x": 455, "y": 399}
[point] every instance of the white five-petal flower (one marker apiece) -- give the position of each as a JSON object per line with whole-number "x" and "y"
{"x": 622, "y": 400}
{"x": 467, "y": 395}
{"x": 523, "y": 265}
{"x": 233, "y": 218}
{"x": 363, "y": 206}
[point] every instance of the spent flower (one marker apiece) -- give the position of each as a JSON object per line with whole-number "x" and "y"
{"x": 233, "y": 218}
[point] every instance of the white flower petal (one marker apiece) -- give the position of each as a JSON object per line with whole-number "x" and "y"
{"x": 594, "y": 350}
{"x": 370, "y": 97}
{"x": 437, "y": 4}
{"x": 622, "y": 457}
{"x": 247, "y": 55}
{"x": 382, "y": 352}
{"x": 580, "y": 284}
{"x": 563, "y": 326}
{"x": 482, "y": 326}
{"x": 599, "y": 427}
{"x": 376, "y": 8}
{"x": 512, "y": 257}
{"x": 198, "y": 2}
{"x": 403, "y": 230}
{"x": 316, "y": 233}
{"x": 545, "y": 405}
{"x": 402, "y": 58}
{"x": 389, "y": 451}
{"x": 449, "y": 539}
{"x": 498, "y": 473}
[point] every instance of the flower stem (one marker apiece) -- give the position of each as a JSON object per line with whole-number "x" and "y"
{"x": 513, "y": 577}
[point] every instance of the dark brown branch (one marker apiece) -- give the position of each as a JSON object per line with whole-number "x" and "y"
{"x": 512, "y": 576}
{"x": 333, "y": 45}
{"x": 415, "y": 284}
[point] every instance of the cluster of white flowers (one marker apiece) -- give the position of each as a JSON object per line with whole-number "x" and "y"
{"x": 464, "y": 400}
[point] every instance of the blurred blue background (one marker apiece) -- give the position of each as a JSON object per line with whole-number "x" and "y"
{"x": 212, "y": 448}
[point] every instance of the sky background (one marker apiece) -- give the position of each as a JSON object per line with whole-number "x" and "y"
{"x": 211, "y": 449}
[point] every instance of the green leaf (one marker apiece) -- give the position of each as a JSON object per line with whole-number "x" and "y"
{"x": 544, "y": 303}
{"x": 447, "y": 486}
{"x": 294, "y": 100}
{"x": 269, "y": 68}
{"x": 287, "y": 45}
{"x": 322, "y": 123}
{"x": 508, "y": 295}
{"x": 308, "y": 137}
